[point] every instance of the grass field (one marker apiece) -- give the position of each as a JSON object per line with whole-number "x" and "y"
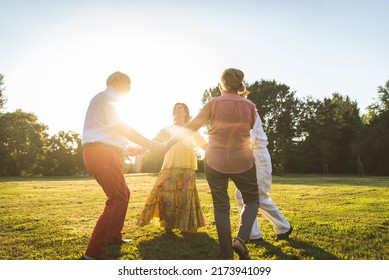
{"x": 334, "y": 217}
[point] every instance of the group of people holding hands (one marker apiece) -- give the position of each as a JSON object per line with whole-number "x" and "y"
{"x": 236, "y": 149}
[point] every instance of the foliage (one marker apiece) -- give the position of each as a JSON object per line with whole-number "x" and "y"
{"x": 27, "y": 150}
{"x": 22, "y": 142}
{"x": 279, "y": 110}
{"x": 305, "y": 155}
{"x": 64, "y": 154}
{"x": 372, "y": 140}
{"x": 381, "y": 105}
{"x": 151, "y": 162}
{"x": 320, "y": 136}
{"x": 305, "y": 135}
{"x": 3, "y": 100}
{"x": 329, "y": 136}
{"x": 53, "y": 218}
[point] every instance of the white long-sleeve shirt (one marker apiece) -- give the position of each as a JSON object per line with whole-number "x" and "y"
{"x": 258, "y": 136}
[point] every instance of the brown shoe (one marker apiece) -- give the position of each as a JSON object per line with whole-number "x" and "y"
{"x": 239, "y": 246}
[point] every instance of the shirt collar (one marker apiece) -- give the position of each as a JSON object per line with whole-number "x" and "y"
{"x": 114, "y": 92}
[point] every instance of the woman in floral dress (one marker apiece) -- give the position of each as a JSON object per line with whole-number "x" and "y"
{"x": 174, "y": 202}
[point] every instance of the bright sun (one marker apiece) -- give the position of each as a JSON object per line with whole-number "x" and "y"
{"x": 143, "y": 116}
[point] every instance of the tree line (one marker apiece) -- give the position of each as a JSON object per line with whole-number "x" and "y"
{"x": 321, "y": 136}
{"x": 306, "y": 135}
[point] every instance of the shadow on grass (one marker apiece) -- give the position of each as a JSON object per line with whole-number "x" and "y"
{"x": 187, "y": 246}
{"x": 270, "y": 251}
{"x": 309, "y": 251}
{"x": 301, "y": 251}
{"x": 114, "y": 252}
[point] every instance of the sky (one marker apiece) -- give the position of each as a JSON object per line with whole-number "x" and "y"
{"x": 56, "y": 55}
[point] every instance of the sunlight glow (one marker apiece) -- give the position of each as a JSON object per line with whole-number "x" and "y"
{"x": 59, "y": 55}
{"x": 161, "y": 76}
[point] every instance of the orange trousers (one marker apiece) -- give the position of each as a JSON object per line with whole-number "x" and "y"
{"x": 105, "y": 164}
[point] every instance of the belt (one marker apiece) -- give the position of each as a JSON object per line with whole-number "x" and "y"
{"x": 102, "y": 145}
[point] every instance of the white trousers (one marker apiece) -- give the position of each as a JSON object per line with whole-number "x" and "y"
{"x": 266, "y": 205}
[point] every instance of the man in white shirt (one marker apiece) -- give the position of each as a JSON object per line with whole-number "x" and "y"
{"x": 267, "y": 206}
{"x": 105, "y": 140}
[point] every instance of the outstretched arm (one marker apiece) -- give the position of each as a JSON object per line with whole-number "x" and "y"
{"x": 200, "y": 141}
{"x": 139, "y": 139}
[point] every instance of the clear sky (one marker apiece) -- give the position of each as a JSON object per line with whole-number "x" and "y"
{"x": 56, "y": 55}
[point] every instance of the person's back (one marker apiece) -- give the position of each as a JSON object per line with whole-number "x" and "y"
{"x": 228, "y": 156}
{"x": 102, "y": 118}
{"x": 228, "y": 150}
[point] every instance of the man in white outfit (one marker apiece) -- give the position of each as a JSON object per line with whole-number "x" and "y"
{"x": 267, "y": 206}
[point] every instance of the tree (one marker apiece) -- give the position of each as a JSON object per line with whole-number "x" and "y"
{"x": 3, "y": 156}
{"x": 305, "y": 157}
{"x": 151, "y": 162}
{"x": 371, "y": 143}
{"x": 379, "y": 107}
{"x": 330, "y": 134}
{"x": 3, "y": 100}
{"x": 22, "y": 141}
{"x": 208, "y": 95}
{"x": 64, "y": 154}
{"x": 279, "y": 110}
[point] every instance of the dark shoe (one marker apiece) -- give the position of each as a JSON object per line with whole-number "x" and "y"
{"x": 283, "y": 236}
{"x": 255, "y": 240}
{"x": 239, "y": 246}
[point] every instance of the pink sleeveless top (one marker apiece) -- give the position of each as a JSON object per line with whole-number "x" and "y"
{"x": 232, "y": 117}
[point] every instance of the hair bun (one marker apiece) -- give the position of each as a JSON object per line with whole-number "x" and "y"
{"x": 233, "y": 78}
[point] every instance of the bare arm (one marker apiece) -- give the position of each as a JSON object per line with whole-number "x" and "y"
{"x": 139, "y": 139}
{"x": 200, "y": 141}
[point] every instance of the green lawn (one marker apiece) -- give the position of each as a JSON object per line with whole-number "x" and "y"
{"x": 334, "y": 217}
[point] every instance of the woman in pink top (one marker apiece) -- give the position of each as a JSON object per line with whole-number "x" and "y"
{"x": 229, "y": 156}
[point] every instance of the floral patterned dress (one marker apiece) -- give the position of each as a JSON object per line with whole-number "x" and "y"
{"x": 174, "y": 201}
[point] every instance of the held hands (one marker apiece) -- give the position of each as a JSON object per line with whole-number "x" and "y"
{"x": 156, "y": 147}
{"x": 163, "y": 148}
{"x": 134, "y": 151}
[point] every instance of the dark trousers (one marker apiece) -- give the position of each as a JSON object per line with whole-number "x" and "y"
{"x": 246, "y": 182}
